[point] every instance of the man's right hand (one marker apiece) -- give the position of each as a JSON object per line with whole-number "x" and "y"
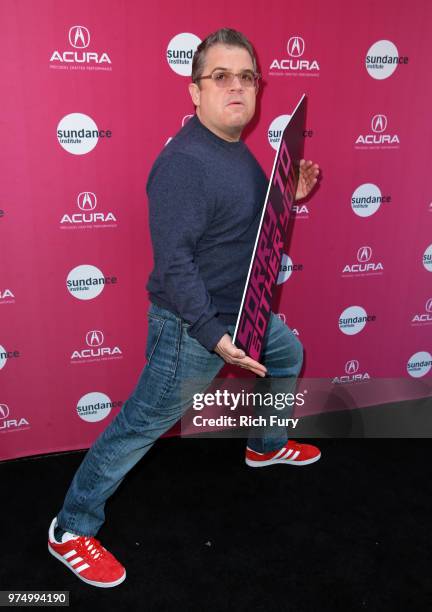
{"x": 231, "y": 354}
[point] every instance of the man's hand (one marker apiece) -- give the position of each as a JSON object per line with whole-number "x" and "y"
{"x": 231, "y": 354}
{"x": 307, "y": 178}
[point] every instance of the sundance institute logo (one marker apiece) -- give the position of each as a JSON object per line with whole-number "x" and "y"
{"x": 287, "y": 267}
{"x": 427, "y": 258}
{"x": 5, "y": 355}
{"x": 382, "y": 59}
{"x": 366, "y": 199}
{"x": 353, "y": 320}
{"x": 87, "y": 282}
{"x": 419, "y": 364}
{"x": 276, "y": 130}
{"x": 180, "y": 52}
{"x": 95, "y": 406}
{"x": 78, "y": 133}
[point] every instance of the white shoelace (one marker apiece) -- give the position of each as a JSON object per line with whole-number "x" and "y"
{"x": 92, "y": 549}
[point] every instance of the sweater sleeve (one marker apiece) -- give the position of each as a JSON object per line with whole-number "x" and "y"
{"x": 180, "y": 211}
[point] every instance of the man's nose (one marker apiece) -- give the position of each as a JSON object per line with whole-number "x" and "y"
{"x": 236, "y": 83}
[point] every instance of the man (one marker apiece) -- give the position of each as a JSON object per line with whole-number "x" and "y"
{"x": 206, "y": 192}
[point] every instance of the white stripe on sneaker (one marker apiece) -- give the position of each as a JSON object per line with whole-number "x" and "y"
{"x": 71, "y": 553}
{"x": 82, "y": 567}
{"x": 287, "y": 454}
{"x": 279, "y": 453}
{"x": 296, "y": 454}
{"x": 76, "y": 560}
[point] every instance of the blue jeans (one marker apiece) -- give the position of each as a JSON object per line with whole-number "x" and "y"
{"x": 173, "y": 359}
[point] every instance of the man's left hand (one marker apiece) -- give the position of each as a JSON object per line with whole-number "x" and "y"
{"x": 307, "y": 178}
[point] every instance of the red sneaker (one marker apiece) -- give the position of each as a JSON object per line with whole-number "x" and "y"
{"x": 87, "y": 558}
{"x": 292, "y": 453}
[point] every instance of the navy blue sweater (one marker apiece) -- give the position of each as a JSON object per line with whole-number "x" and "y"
{"x": 205, "y": 203}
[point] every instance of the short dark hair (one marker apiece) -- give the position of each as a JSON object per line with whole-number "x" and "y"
{"x": 224, "y": 36}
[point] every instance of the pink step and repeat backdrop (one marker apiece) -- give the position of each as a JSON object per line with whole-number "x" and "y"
{"x": 356, "y": 283}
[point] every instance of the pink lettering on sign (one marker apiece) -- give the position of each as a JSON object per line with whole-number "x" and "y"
{"x": 264, "y": 269}
{"x": 257, "y": 304}
{"x": 282, "y": 168}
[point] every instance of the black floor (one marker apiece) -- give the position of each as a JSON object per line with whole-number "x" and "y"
{"x": 199, "y": 530}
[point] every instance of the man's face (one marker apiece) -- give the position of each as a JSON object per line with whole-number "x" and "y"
{"x": 225, "y": 110}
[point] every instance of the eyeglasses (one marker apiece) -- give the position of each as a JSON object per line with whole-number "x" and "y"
{"x": 225, "y": 78}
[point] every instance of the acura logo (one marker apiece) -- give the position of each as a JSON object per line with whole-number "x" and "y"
{"x": 379, "y": 123}
{"x": 86, "y": 200}
{"x": 94, "y": 338}
{"x": 429, "y": 305}
{"x": 295, "y": 46}
{"x": 364, "y": 253}
{"x": 352, "y": 366}
{"x": 79, "y": 37}
{"x": 4, "y": 411}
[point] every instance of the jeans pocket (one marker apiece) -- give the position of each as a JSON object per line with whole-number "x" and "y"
{"x": 155, "y": 327}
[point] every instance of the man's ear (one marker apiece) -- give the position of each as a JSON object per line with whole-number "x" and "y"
{"x": 194, "y": 91}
